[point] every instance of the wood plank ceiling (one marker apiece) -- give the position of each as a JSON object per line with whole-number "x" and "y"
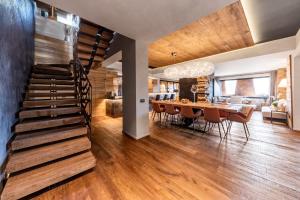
{"x": 223, "y": 31}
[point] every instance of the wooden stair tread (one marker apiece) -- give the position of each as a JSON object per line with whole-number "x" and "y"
{"x": 35, "y": 138}
{"x": 47, "y": 81}
{"x": 49, "y": 67}
{"x": 36, "y": 156}
{"x": 50, "y": 76}
{"x": 52, "y": 87}
{"x": 32, "y": 181}
{"x": 51, "y": 72}
{"x": 30, "y": 125}
{"x": 48, "y": 103}
{"x": 48, "y": 94}
{"x": 42, "y": 112}
{"x": 63, "y": 66}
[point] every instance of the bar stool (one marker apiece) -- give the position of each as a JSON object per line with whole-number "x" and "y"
{"x": 157, "y": 98}
{"x": 166, "y": 97}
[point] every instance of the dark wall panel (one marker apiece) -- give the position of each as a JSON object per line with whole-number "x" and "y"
{"x": 185, "y": 85}
{"x": 16, "y": 59}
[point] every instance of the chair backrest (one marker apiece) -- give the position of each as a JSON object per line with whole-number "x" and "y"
{"x": 170, "y": 109}
{"x": 187, "y": 111}
{"x": 172, "y": 96}
{"x": 212, "y": 115}
{"x": 249, "y": 113}
{"x": 157, "y": 98}
{"x": 156, "y": 107}
{"x": 166, "y": 97}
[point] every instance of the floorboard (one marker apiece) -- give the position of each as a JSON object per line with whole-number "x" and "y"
{"x": 174, "y": 163}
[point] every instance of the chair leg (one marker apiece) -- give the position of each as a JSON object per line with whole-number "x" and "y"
{"x": 154, "y": 116}
{"x": 166, "y": 119}
{"x": 220, "y": 131}
{"x": 247, "y": 129}
{"x": 223, "y": 127}
{"x": 246, "y": 134}
{"x": 193, "y": 124}
{"x": 205, "y": 126}
{"x": 228, "y": 128}
{"x": 160, "y": 117}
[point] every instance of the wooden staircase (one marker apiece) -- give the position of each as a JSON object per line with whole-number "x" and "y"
{"x": 92, "y": 44}
{"x": 50, "y": 142}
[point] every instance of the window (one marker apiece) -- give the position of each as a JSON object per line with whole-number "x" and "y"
{"x": 262, "y": 86}
{"x": 230, "y": 86}
{"x": 251, "y": 87}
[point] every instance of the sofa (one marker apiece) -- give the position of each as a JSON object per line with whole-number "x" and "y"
{"x": 278, "y": 113}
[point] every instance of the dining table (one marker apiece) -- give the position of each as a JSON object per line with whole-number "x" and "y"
{"x": 231, "y": 108}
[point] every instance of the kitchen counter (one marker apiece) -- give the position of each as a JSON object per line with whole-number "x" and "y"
{"x": 114, "y": 107}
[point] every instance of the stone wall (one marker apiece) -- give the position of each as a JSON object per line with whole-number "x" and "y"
{"x": 16, "y": 59}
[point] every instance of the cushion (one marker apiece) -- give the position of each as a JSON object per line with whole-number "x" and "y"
{"x": 236, "y": 100}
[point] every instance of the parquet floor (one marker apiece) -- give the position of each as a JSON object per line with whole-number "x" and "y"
{"x": 174, "y": 164}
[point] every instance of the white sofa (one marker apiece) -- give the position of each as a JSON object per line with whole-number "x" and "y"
{"x": 266, "y": 111}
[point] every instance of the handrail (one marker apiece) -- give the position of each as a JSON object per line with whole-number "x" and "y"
{"x": 83, "y": 91}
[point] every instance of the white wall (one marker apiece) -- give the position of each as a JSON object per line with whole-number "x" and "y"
{"x": 253, "y": 65}
{"x": 296, "y": 84}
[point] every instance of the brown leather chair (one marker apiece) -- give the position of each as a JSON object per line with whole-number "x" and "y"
{"x": 212, "y": 117}
{"x": 187, "y": 112}
{"x": 157, "y": 109}
{"x": 243, "y": 117}
{"x": 170, "y": 110}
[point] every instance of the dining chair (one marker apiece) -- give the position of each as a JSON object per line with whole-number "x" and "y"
{"x": 224, "y": 114}
{"x": 212, "y": 117}
{"x": 188, "y": 112}
{"x": 157, "y": 109}
{"x": 171, "y": 111}
{"x": 242, "y": 117}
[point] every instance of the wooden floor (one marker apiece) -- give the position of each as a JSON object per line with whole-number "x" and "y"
{"x": 174, "y": 164}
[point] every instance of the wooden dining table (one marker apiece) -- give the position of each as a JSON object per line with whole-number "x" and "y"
{"x": 200, "y": 106}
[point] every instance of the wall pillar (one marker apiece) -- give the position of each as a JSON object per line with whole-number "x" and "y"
{"x": 135, "y": 88}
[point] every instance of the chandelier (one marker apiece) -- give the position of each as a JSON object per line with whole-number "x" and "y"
{"x": 191, "y": 69}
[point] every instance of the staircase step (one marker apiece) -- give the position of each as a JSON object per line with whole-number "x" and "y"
{"x": 30, "y": 125}
{"x": 32, "y": 181}
{"x": 47, "y": 81}
{"x": 49, "y": 103}
{"x": 84, "y": 48}
{"x": 49, "y": 76}
{"x": 54, "y": 68}
{"x": 98, "y": 58}
{"x": 48, "y": 94}
{"x": 48, "y": 87}
{"x": 38, "y": 70}
{"x": 62, "y": 66}
{"x": 36, "y": 156}
{"x": 44, "y": 112}
{"x": 43, "y": 137}
{"x": 87, "y": 40}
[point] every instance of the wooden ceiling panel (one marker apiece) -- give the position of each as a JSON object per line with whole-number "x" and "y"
{"x": 223, "y": 31}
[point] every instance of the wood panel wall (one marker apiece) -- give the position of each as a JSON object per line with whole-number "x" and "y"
{"x": 102, "y": 82}
{"x": 281, "y": 93}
